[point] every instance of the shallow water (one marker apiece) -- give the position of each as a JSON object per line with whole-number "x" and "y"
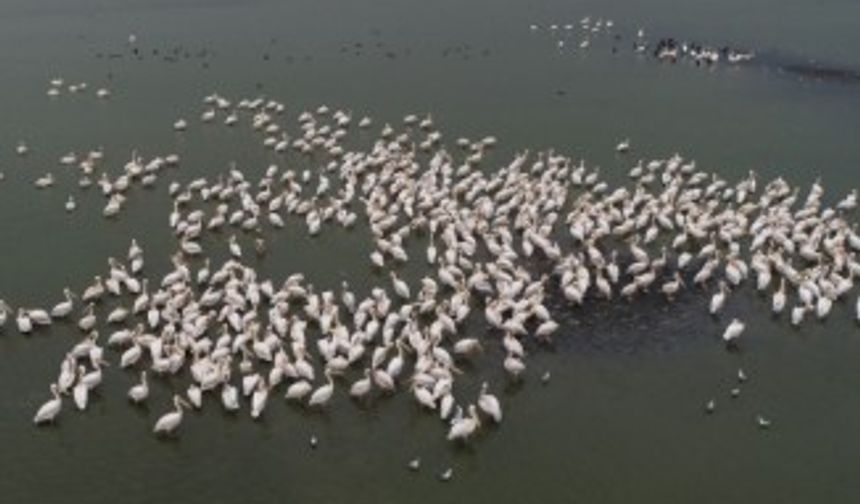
{"x": 622, "y": 417}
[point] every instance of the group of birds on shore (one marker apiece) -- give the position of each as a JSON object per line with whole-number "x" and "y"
{"x": 479, "y": 230}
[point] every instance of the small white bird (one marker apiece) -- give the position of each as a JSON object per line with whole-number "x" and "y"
{"x": 447, "y": 474}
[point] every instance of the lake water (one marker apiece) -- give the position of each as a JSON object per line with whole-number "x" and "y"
{"x": 622, "y": 418}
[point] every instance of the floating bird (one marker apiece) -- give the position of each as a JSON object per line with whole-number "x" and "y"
{"x": 139, "y": 392}
{"x": 447, "y": 474}
{"x": 169, "y": 422}
{"x": 733, "y": 331}
{"x": 49, "y": 411}
{"x": 489, "y": 404}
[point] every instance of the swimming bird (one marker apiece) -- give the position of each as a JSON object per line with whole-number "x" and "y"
{"x": 323, "y": 394}
{"x": 446, "y": 475}
{"x": 465, "y": 427}
{"x": 25, "y": 325}
{"x": 361, "y": 387}
{"x": 49, "y": 411}
{"x": 258, "y": 399}
{"x": 733, "y": 331}
{"x": 81, "y": 391}
{"x": 298, "y": 390}
{"x": 489, "y": 404}
{"x": 230, "y": 397}
{"x": 169, "y": 422}
{"x": 139, "y": 392}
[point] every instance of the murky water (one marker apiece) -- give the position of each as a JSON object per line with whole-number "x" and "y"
{"x": 620, "y": 421}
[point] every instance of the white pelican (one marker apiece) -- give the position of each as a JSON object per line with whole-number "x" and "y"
{"x": 67, "y": 374}
{"x": 94, "y": 291}
{"x": 39, "y": 316}
{"x": 719, "y": 299}
{"x": 230, "y": 397}
{"x": 424, "y": 397}
{"x": 383, "y": 380}
{"x": 139, "y": 392}
{"x": 489, "y": 404}
{"x": 823, "y": 306}
{"x": 5, "y": 311}
{"x": 463, "y": 428}
{"x": 514, "y": 365}
{"x": 94, "y": 378}
{"x": 467, "y": 346}
{"x": 361, "y": 387}
{"x": 258, "y": 399}
{"x": 400, "y": 287}
{"x": 235, "y": 250}
{"x": 733, "y": 331}
{"x": 49, "y": 411}
{"x": 546, "y": 329}
{"x": 447, "y": 474}
{"x": 88, "y": 321}
{"x": 169, "y": 422}
{"x": 130, "y": 356}
{"x": 322, "y": 395}
{"x": 779, "y": 298}
{"x": 298, "y": 390}
{"x": 710, "y": 406}
{"x": 81, "y": 391}
{"x": 25, "y": 325}
{"x": 797, "y": 314}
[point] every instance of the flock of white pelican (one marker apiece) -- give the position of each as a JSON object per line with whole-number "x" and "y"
{"x": 238, "y": 338}
{"x": 588, "y": 29}
{"x": 666, "y": 49}
{"x": 58, "y": 85}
